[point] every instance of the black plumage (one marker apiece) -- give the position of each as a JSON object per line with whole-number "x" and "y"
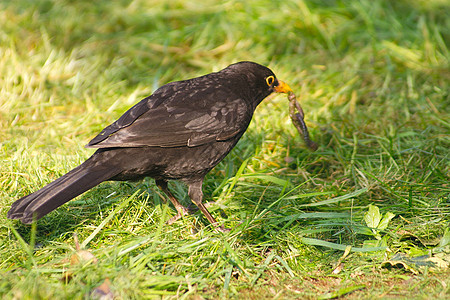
{"x": 180, "y": 132}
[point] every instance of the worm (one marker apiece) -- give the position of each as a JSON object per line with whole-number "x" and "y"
{"x": 297, "y": 116}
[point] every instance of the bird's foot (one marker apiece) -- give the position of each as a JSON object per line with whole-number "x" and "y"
{"x": 174, "y": 219}
{"x": 191, "y": 208}
{"x": 182, "y": 211}
{"x": 223, "y": 229}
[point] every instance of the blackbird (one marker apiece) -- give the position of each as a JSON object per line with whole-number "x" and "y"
{"x": 180, "y": 132}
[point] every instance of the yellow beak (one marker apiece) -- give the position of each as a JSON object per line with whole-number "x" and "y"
{"x": 282, "y": 87}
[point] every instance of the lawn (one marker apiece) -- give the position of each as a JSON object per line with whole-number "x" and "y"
{"x": 367, "y": 215}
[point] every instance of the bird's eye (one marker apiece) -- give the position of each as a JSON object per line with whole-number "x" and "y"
{"x": 270, "y": 80}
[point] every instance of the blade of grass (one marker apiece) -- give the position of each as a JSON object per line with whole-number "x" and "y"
{"x": 336, "y": 199}
{"x": 25, "y": 247}
{"x": 107, "y": 219}
{"x": 317, "y": 242}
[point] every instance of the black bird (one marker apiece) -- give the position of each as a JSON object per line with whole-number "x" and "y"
{"x": 180, "y": 132}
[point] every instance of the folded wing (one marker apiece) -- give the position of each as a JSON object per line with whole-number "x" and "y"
{"x": 170, "y": 118}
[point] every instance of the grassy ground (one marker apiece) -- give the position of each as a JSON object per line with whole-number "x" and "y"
{"x": 373, "y": 79}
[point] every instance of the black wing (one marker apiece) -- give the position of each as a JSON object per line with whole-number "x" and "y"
{"x": 179, "y": 114}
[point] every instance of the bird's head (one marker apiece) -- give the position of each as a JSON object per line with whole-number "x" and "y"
{"x": 260, "y": 79}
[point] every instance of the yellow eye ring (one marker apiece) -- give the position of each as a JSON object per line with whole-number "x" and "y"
{"x": 270, "y": 80}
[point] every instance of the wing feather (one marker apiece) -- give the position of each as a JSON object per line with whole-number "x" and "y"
{"x": 182, "y": 114}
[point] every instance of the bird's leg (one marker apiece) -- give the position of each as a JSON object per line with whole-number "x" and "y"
{"x": 182, "y": 210}
{"x": 196, "y": 195}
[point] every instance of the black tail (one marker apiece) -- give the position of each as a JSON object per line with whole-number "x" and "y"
{"x": 79, "y": 180}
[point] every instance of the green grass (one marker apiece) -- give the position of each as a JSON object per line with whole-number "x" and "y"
{"x": 373, "y": 79}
